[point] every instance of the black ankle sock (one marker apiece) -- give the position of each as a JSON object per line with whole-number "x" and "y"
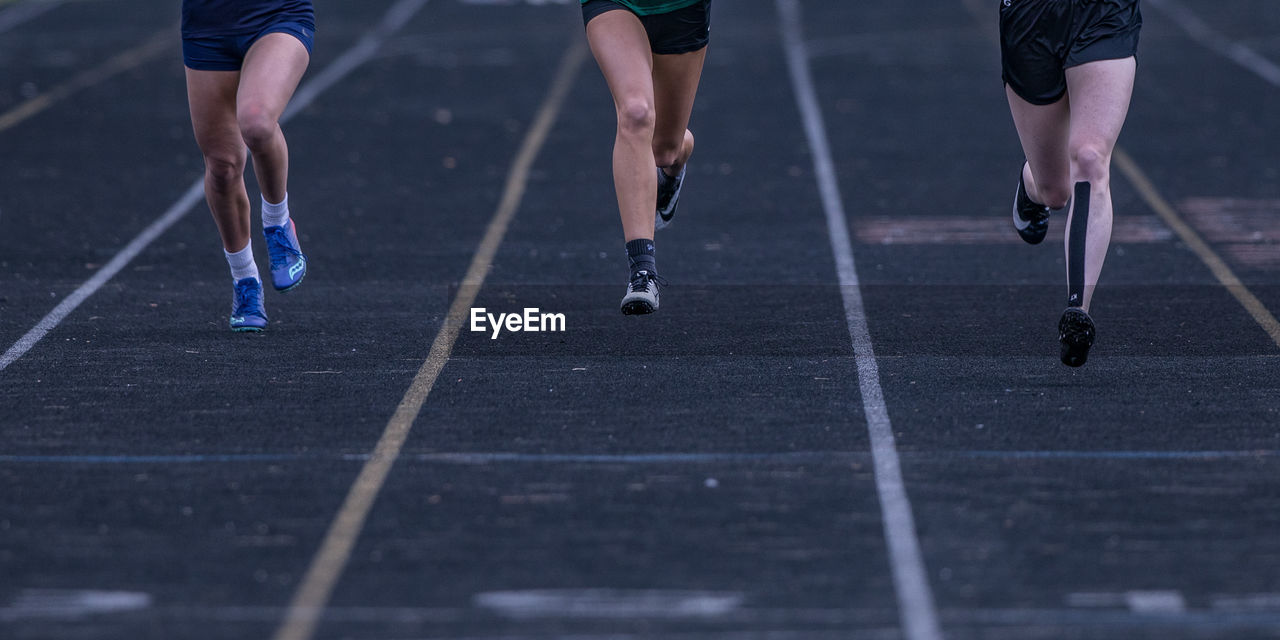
{"x": 640, "y": 254}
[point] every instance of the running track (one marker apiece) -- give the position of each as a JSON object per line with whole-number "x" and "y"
{"x": 847, "y": 420}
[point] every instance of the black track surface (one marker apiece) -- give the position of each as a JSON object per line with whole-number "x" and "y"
{"x": 716, "y": 450}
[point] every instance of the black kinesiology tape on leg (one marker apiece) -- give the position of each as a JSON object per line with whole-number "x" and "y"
{"x": 1076, "y": 246}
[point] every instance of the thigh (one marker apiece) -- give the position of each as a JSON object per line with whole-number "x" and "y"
{"x": 211, "y": 96}
{"x": 1043, "y": 130}
{"x": 1100, "y": 93}
{"x": 621, "y": 48}
{"x": 675, "y": 85}
{"x": 273, "y": 66}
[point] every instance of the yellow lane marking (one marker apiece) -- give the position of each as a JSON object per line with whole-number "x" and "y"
{"x": 1207, "y": 255}
{"x": 120, "y": 63}
{"x": 317, "y": 586}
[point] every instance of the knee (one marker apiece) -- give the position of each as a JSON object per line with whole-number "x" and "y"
{"x": 1090, "y": 162}
{"x": 636, "y": 118}
{"x": 223, "y": 170}
{"x": 257, "y": 127}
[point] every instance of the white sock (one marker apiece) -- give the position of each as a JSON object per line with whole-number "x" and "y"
{"x": 275, "y": 215}
{"x": 242, "y": 264}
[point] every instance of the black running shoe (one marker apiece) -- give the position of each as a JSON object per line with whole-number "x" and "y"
{"x": 1030, "y": 219}
{"x": 642, "y": 292}
{"x": 668, "y": 197}
{"x": 1076, "y": 333}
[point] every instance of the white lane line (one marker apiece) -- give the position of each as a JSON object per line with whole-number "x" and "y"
{"x": 23, "y": 12}
{"x": 321, "y": 82}
{"x": 917, "y": 611}
{"x": 316, "y": 587}
{"x": 1211, "y": 39}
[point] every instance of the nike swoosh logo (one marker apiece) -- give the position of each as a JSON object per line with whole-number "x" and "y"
{"x": 1018, "y": 222}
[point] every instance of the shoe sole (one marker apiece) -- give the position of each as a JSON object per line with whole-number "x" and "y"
{"x": 637, "y": 308}
{"x": 247, "y": 329}
{"x": 1075, "y": 349}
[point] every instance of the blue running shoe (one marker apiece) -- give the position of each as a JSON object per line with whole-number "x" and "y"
{"x": 247, "y": 313}
{"x": 288, "y": 265}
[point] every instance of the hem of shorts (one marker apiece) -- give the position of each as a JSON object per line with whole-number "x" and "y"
{"x": 1037, "y": 100}
{"x": 222, "y": 33}
{"x": 286, "y": 28}
{"x": 1075, "y": 62}
{"x": 210, "y": 67}
{"x": 674, "y": 51}
{"x": 613, "y": 7}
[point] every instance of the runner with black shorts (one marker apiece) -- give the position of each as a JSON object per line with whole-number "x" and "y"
{"x": 244, "y": 58}
{"x": 651, "y": 53}
{"x": 1068, "y": 70}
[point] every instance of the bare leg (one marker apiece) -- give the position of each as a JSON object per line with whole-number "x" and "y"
{"x": 272, "y": 69}
{"x": 212, "y": 97}
{"x": 621, "y": 48}
{"x": 675, "y": 83}
{"x": 1100, "y": 93}
{"x": 1043, "y": 131}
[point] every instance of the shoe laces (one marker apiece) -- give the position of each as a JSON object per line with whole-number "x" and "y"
{"x": 280, "y": 247}
{"x": 248, "y": 297}
{"x": 641, "y": 278}
{"x": 1039, "y": 217}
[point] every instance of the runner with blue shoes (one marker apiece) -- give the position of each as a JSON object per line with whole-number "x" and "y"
{"x": 244, "y": 59}
{"x": 651, "y": 53}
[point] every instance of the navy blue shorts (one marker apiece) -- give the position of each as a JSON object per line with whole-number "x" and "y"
{"x": 226, "y": 52}
{"x": 681, "y": 31}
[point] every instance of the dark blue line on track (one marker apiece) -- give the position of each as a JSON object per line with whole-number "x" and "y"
{"x": 1120, "y": 455}
{"x": 640, "y": 458}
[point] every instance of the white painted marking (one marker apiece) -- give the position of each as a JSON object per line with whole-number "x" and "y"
{"x": 1155, "y": 602}
{"x": 917, "y": 611}
{"x": 321, "y": 82}
{"x": 1253, "y": 602}
{"x": 1235, "y": 220}
{"x": 1095, "y": 600}
{"x": 23, "y": 12}
{"x": 989, "y": 230}
{"x": 1152, "y": 602}
{"x": 61, "y": 603}
{"x": 1211, "y": 39}
{"x": 609, "y": 603}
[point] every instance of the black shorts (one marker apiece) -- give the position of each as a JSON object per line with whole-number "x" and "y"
{"x": 680, "y": 31}
{"x": 1041, "y": 39}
